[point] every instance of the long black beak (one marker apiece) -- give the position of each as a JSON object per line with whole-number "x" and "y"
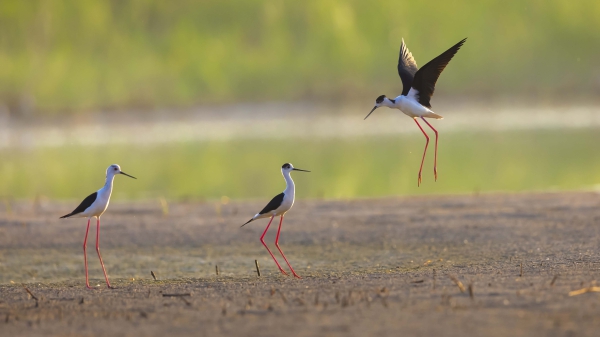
{"x": 375, "y": 107}
{"x": 295, "y": 169}
{"x": 127, "y": 175}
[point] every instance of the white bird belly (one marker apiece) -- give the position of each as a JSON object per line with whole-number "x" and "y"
{"x": 414, "y": 109}
{"x": 97, "y": 208}
{"x": 286, "y": 205}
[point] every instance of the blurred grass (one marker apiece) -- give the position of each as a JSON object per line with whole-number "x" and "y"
{"x": 363, "y": 167}
{"x": 78, "y": 55}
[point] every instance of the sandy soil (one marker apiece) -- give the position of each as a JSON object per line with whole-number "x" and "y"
{"x": 370, "y": 267}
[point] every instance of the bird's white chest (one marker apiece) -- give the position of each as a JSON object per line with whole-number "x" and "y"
{"x": 100, "y": 205}
{"x": 288, "y": 202}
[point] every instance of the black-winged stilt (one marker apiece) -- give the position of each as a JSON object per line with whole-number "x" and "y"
{"x": 279, "y": 205}
{"x": 418, "y": 86}
{"x": 94, "y": 206}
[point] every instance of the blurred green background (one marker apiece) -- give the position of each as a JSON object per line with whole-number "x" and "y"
{"x": 83, "y": 55}
{"x": 65, "y": 65}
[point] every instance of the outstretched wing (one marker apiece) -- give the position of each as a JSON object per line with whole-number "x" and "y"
{"x": 407, "y": 67}
{"x": 426, "y": 77}
{"x": 87, "y": 202}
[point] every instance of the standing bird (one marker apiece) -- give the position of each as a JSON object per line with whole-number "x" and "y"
{"x": 279, "y": 205}
{"x": 94, "y": 206}
{"x": 418, "y": 86}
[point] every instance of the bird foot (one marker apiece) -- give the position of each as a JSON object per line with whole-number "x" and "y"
{"x": 296, "y": 275}
{"x": 283, "y": 271}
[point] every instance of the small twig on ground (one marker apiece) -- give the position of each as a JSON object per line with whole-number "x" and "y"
{"x": 257, "y": 267}
{"x": 434, "y": 276}
{"x": 471, "y": 291}
{"x": 521, "y": 274}
{"x": 553, "y": 280}
{"x": 30, "y": 293}
{"x": 37, "y": 302}
{"x": 153, "y": 275}
{"x": 585, "y": 290}
{"x": 457, "y": 282}
{"x": 217, "y": 269}
{"x": 176, "y": 295}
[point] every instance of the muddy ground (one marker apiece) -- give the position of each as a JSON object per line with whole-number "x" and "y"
{"x": 384, "y": 267}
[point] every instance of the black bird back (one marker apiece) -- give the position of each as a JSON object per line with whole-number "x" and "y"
{"x": 87, "y": 202}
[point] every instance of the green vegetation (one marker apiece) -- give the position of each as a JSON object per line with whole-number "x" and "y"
{"x": 79, "y": 55}
{"x": 362, "y": 167}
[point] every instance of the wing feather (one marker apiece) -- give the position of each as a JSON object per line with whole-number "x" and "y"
{"x": 273, "y": 204}
{"x": 87, "y": 202}
{"x": 407, "y": 68}
{"x": 426, "y": 77}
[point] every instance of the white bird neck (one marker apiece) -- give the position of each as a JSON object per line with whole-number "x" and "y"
{"x": 108, "y": 184}
{"x": 289, "y": 184}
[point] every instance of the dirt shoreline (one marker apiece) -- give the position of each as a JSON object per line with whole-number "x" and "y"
{"x": 378, "y": 266}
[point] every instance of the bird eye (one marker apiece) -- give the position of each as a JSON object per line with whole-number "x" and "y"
{"x": 115, "y": 168}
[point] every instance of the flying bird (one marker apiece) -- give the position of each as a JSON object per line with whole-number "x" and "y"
{"x": 418, "y": 87}
{"x": 278, "y": 206}
{"x": 94, "y": 205}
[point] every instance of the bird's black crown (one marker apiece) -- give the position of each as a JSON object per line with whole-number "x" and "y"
{"x": 286, "y": 166}
{"x": 380, "y": 99}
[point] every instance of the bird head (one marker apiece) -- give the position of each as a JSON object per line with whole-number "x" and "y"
{"x": 378, "y": 102}
{"x": 287, "y": 167}
{"x": 116, "y": 169}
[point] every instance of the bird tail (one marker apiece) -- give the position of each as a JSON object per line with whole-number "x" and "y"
{"x": 249, "y": 221}
{"x": 432, "y": 114}
{"x": 66, "y": 216}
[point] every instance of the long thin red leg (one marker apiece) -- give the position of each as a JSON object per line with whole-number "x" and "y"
{"x": 424, "y": 151}
{"x": 277, "y": 245}
{"x": 436, "y": 142}
{"x": 98, "y": 251}
{"x": 262, "y": 239}
{"x": 87, "y": 281}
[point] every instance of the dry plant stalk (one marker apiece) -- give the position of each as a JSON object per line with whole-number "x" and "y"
{"x": 257, "y": 267}
{"x": 584, "y": 290}
{"x": 457, "y": 282}
{"x": 30, "y": 293}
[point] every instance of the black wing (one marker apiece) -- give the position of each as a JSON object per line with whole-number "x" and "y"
{"x": 407, "y": 67}
{"x": 273, "y": 204}
{"x": 87, "y": 202}
{"x": 425, "y": 78}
